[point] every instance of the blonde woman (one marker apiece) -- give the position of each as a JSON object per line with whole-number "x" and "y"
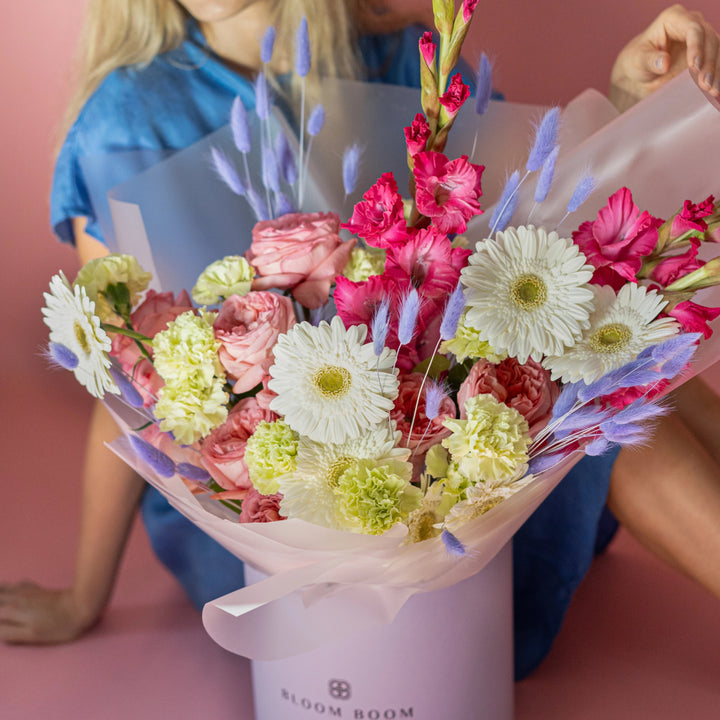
{"x": 159, "y": 75}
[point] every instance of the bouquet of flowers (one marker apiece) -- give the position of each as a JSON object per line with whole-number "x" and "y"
{"x": 383, "y": 376}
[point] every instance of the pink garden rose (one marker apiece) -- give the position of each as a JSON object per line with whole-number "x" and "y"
{"x": 379, "y": 218}
{"x": 260, "y": 508}
{"x": 299, "y": 251}
{"x": 428, "y": 262}
{"x": 447, "y": 191}
{"x": 248, "y": 328}
{"x": 616, "y": 242}
{"x": 425, "y": 433}
{"x": 149, "y": 318}
{"x": 455, "y": 95}
{"x": 417, "y": 134}
{"x": 526, "y": 388}
{"x": 223, "y": 450}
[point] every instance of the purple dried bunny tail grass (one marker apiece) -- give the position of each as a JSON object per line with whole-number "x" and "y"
{"x": 62, "y": 356}
{"x": 380, "y": 325}
{"x": 270, "y": 169}
{"x": 268, "y": 44}
{"x": 453, "y": 311}
{"x": 262, "y": 97}
{"x": 350, "y": 168}
{"x": 193, "y": 472}
{"x": 128, "y": 391}
{"x": 545, "y": 178}
{"x": 434, "y": 395}
{"x": 156, "y": 459}
{"x": 239, "y": 126}
{"x": 409, "y": 311}
{"x": 452, "y": 544}
{"x": 316, "y": 120}
{"x": 302, "y": 49}
{"x": 545, "y": 139}
{"x": 484, "y": 85}
{"x": 506, "y": 204}
{"x": 582, "y": 192}
{"x": 286, "y": 159}
{"x": 227, "y": 172}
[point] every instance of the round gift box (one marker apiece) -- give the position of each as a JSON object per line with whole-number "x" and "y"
{"x": 447, "y": 654}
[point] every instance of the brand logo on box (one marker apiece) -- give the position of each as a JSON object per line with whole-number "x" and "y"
{"x": 321, "y": 708}
{"x": 340, "y": 689}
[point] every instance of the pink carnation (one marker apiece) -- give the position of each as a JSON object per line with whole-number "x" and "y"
{"x": 380, "y": 218}
{"x": 525, "y": 387}
{"x": 616, "y": 242}
{"x": 299, "y": 251}
{"x": 248, "y": 328}
{"x": 447, "y": 191}
{"x": 417, "y": 134}
{"x": 257, "y": 508}
{"x": 149, "y": 318}
{"x": 455, "y": 96}
{"x": 223, "y": 450}
{"x": 428, "y": 262}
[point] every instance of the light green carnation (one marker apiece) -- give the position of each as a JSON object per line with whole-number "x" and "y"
{"x": 375, "y": 496}
{"x": 101, "y": 276}
{"x": 491, "y": 445}
{"x": 233, "y": 275}
{"x": 270, "y": 453}
{"x": 363, "y": 263}
{"x": 189, "y": 411}
{"x": 186, "y": 351}
{"x": 467, "y": 344}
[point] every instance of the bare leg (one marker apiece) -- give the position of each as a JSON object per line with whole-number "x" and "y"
{"x": 668, "y": 496}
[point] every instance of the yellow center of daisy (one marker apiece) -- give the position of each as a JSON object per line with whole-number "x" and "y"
{"x": 331, "y": 381}
{"x": 610, "y": 338}
{"x": 336, "y": 470}
{"x": 81, "y": 337}
{"x": 529, "y": 292}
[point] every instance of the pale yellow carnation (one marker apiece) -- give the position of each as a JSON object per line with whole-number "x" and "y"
{"x": 269, "y": 454}
{"x": 99, "y": 274}
{"x": 491, "y": 445}
{"x": 363, "y": 263}
{"x": 233, "y": 275}
{"x": 467, "y": 344}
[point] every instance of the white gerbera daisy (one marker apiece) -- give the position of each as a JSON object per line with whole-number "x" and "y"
{"x": 330, "y": 386}
{"x": 70, "y": 315}
{"x": 309, "y": 492}
{"x": 621, "y": 326}
{"x": 527, "y": 292}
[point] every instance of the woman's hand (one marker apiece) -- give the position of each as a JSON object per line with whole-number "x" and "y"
{"x": 36, "y": 615}
{"x": 676, "y": 39}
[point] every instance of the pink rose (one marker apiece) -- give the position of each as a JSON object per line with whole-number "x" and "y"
{"x": 223, "y": 450}
{"x": 447, "y": 191}
{"x": 248, "y": 328}
{"x": 260, "y": 508}
{"x": 526, "y": 388}
{"x": 302, "y": 252}
{"x": 149, "y": 318}
{"x": 455, "y": 96}
{"x": 379, "y": 218}
{"x": 616, "y": 242}
{"x": 417, "y": 134}
{"x": 425, "y": 433}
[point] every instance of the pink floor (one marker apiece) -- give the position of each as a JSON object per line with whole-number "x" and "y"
{"x": 640, "y": 641}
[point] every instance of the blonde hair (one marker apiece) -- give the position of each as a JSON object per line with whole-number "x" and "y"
{"x": 119, "y": 33}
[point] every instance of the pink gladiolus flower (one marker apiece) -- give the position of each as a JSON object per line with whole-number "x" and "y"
{"x": 379, "y": 218}
{"x": 690, "y": 218}
{"x": 428, "y": 262}
{"x": 248, "y": 328}
{"x": 694, "y": 318}
{"x": 525, "y": 387}
{"x": 673, "y": 268}
{"x": 617, "y": 240}
{"x": 299, "y": 251}
{"x": 468, "y": 9}
{"x": 260, "y": 508}
{"x": 454, "y": 97}
{"x": 427, "y": 48}
{"x": 448, "y": 191}
{"x": 223, "y": 450}
{"x": 417, "y": 134}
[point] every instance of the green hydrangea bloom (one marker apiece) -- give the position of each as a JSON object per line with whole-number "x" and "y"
{"x": 99, "y": 274}
{"x": 467, "y": 344}
{"x": 491, "y": 445}
{"x": 270, "y": 452}
{"x": 363, "y": 263}
{"x": 375, "y": 496}
{"x": 233, "y": 275}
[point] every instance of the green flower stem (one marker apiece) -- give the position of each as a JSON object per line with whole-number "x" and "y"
{"x": 136, "y": 336}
